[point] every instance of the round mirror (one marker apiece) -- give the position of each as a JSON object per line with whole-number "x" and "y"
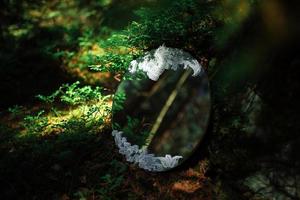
{"x": 161, "y": 109}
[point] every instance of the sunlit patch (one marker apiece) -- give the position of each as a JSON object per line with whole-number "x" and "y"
{"x": 57, "y": 124}
{"x": 17, "y": 31}
{"x": 188, "y": 186}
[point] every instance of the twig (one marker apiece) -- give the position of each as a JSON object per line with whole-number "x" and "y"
{"x": 166, "y": 107}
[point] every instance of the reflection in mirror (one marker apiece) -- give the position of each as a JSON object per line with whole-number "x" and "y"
{"x": 161, "y": 110}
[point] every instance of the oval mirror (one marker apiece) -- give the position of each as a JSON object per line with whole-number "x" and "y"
{"x": 161, "y": 109}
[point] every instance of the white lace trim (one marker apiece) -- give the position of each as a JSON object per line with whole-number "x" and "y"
{"x": 141, "y": 157}
{"x": 154, "y": 63}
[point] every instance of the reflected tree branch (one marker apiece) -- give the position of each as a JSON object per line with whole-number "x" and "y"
{"x": 166, "y": 107}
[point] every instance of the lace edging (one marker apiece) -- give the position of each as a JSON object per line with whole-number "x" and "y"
{"x": 141, "y": 157}
{"x": 154, "y": 63}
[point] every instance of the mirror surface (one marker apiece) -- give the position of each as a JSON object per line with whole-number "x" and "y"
{"x": 168, "y": 116}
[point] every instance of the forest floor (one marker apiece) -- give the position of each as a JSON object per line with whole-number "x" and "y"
{"x": 59, "y": 164}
